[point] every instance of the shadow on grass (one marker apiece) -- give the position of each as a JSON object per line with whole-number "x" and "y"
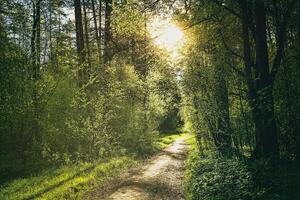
{"x": 40, "y": 193}
{"x": 16, "y": 170}
{"x": 54, "y": 171}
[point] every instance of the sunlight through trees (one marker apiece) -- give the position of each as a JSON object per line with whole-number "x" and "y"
{"x": 89, "y": 81}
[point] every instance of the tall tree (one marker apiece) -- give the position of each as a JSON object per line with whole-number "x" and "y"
{"x": 260, "y": 76}
{"x": 98, "y": 39}
{"x": 86, "y": 33}
{"x": 266, "y": 136}
{"x": 297, "y": 131}
{"x": 100, "y": 28}
{"x": 107, "y": 31}
{"x": 36, "y": 38}
{"x": 79, "y": 41}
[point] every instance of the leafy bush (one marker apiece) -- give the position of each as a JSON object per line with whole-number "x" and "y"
{"x": 217, "y": 178}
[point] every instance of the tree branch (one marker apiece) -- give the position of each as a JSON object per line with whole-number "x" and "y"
{"x": 228, "y": 48}
{"x": 237, "y": 70}
{"x": 222, "y": 5}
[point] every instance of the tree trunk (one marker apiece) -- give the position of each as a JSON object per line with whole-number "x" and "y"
{"x": 86, "y": 33}
{"x": 107, "y": 31}
{"x": 297, "y": 131}
{"x": 96, "y": 29}
{"x": 50, "y": 37}
{"x": 248, "y": 61}
{"x": 298, "y": 34}
{"x": 79, "y": 41}
{"x": 33, "y": 38}
{"x": 100, "y": 28}
{"x": 261, "y": 85}
{"x": 266, "y": 130}
{"x": 35, "y": 61}
{"x": 36, "y": 39}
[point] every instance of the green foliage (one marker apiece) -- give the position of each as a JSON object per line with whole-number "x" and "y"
{"x": 287, "y": 106}
{"x": 16, "y": 107}
{"x": 215, "y": 177}
{"x": 164, "y": 98}
{"x": 205, "y": 87}
{"x": 53, "y": 121}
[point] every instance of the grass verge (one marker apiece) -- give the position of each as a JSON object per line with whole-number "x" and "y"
{"x": 72, "y": 181}
{"x": 66, "y": 182}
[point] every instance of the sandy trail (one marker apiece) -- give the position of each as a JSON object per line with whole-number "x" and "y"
{"x": 161, "y": 178}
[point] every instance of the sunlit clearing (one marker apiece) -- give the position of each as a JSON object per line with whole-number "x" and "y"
{"x": 167, "y": 35}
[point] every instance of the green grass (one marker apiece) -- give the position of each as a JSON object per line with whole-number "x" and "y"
{"x": 66, "y": 182}
{"x": 191, "y": 140}
{"x": 72, "y": 181}
{"x": 167, "y": 138}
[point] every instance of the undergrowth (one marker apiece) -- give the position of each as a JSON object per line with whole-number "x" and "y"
{"x": 211, "y": 176}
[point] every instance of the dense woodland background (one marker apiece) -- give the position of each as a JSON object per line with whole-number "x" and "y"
{"x": 88, "y": 94}
{"x": 92, "y": 85}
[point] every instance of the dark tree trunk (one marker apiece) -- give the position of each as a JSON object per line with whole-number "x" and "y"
{"x": 297, "y": 131}
{"x": 50, "y": 37}
{"x": 248, "y": 61}
{"x": 107, "y": 31}
{"x": 33, "y": 40}
{"x": 261, "y": 85}
{"x": 100, "y": 28}
{"x": 266, "y": 130}
{"x": 96, "y": 29}
{"x": 79, "y": 41}
{"x": 86, "y": 34}
{"x": 298, "y": 34}
{"x": 36, "y": 39}
{"x": 35, "y": 61}
{"x": 50, "y": 34}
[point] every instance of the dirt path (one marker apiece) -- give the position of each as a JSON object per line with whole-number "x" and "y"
{"x": 159, "y": 178}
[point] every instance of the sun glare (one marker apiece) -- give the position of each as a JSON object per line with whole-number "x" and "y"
{"x": 167, "y": 35}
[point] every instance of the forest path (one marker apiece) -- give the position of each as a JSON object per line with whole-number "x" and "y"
{"x": 161, "y": 177}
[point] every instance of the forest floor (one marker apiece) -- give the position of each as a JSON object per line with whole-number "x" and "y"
{"x": 160, "y": 177}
